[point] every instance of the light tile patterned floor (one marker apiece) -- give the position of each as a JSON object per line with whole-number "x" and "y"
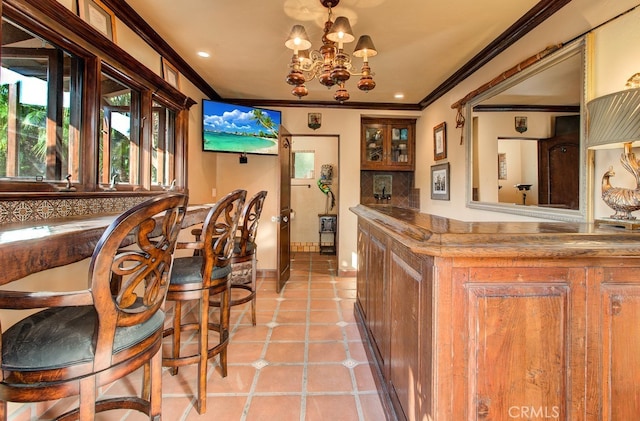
{"x": 303, "y": 361}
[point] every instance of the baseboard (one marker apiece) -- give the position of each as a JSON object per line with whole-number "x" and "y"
{"x": 347, "y": 272}
{"x": 273, "y": 273}
{"x": 267, "y": 273}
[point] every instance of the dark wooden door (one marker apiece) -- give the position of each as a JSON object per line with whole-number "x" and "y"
{"x": 559, "y": 171}
{"x": 284, "y": 229}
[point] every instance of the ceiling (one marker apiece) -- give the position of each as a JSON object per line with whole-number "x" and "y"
{"x": 421, "y": 43}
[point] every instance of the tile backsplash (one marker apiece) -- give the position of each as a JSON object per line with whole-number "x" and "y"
{"x": 24, "y": 210}
{"x": 403, "y": 192}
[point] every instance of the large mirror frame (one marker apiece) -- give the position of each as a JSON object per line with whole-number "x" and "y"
{"x": 570, "y": 215}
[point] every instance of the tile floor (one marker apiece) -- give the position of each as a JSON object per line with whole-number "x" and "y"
{"x": 303, "y": 361}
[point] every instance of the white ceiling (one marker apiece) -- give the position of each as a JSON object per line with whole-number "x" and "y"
{"x": 420, "y": 43}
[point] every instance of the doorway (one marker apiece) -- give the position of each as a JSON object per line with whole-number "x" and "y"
{"x": 314, "y": 193}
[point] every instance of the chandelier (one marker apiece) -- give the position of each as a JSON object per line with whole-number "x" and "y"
{"x": 330, "y": 64}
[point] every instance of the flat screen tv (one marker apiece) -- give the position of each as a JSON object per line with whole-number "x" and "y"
{"x": 240, "y": 129}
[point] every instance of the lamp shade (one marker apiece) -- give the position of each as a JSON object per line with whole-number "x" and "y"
{"x": 365, "y": 47}
{"x": 341, "y": 31}
{"x": 614, "y": 119}
{"x": 298, "y": 39}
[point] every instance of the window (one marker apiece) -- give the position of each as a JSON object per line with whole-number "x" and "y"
{"x": 303, "y": 164}
{"x": 119, "y": 151}
{"x": 72, "y": 104}
{"x": 162, "y": 145}
{"x": 39, "y": 109}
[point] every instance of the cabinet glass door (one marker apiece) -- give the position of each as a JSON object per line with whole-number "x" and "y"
{"x": 374, "y": 144}
{"x": 399, "y": 144}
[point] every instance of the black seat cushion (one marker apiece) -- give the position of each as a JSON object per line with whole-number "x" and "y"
{"x": 186, "y": 270}
{"x": 251, "y": 246}
{"x": 63, "y": 337}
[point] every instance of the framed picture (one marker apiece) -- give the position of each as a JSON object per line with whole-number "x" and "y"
{"x": 70, "y": 4}
{"x": 314, "y": 120}
{"x": 502, "y": 166}
{"x": 520, "y": 124}
{"x": 440, "y": 141}
{"x": 99, "y": 17}
{"x": 440, "y": 181}
{"x": 382, "y": 184}
{"x": 170, "y": 73}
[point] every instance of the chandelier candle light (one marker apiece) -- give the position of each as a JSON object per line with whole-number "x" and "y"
{"x": 330, "y": 64}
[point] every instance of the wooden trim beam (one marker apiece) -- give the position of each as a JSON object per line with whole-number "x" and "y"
{"x": 527, "y": 108}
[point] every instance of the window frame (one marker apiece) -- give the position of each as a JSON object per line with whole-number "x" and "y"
{"x": 53, "y": 22}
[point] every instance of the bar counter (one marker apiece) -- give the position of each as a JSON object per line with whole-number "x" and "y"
{"x": 439, "y": 236}
{"x": 34, "y": 246}
{"x": 499, "y": 320}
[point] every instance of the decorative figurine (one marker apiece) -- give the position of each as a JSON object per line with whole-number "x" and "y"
{"x": 623, "y": 200}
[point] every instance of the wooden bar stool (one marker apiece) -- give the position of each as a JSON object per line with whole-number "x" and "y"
{"x": 244, "y": 263}
{"x": 197, "y": 278}
{"x": 85, "y": 339}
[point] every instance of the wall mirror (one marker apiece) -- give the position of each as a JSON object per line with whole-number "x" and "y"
{"x": 525, "y": 137}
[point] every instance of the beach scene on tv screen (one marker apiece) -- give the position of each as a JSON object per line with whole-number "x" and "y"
{"x": 234, "y": 128}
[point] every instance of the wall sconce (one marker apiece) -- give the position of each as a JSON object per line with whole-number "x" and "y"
{"x": 614, "y": 122}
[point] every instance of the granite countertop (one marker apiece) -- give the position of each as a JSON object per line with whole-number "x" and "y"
{"x": 438, "y": 236}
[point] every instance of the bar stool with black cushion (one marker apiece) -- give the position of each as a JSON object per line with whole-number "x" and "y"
{"x": 197, "y": 278}
{"x": 244, "y": 261}
{"x": 85, "y": 339}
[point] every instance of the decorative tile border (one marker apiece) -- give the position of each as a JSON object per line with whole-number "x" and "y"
{"x": 44, "y": 209}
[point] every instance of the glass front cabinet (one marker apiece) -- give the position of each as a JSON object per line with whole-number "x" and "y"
{"x": 387, "y": 144}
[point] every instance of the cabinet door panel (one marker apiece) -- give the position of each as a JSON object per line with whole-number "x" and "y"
{"x": 404, "y": 332}
{"x": 621, "y": 352}
{"x": 377, "y": 298}
{"x": 518, "y": 352}
{"x": 363, "y": 258}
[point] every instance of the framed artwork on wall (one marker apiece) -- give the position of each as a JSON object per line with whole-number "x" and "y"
{"x": 170, "y": 73}
{"x": 314, "y": 120}
{"x": 440, "y": 182}
{"x": 382, "y": 184}
{"x": 502, "y": 166}
{"x": 70, "y": 4}
{"x": 440, "y": 141}
{"x": 520, "y": 124}
{"x": 99, "y": 17}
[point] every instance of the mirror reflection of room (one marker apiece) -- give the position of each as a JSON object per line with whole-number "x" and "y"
{"x": 526, "y": 139}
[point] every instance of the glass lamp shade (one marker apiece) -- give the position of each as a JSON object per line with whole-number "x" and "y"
{"x": 365, "y": 48}
{"x": 341, "y": 31}
{"x": 298, "y": 39}
{"x": 614, "y": 119}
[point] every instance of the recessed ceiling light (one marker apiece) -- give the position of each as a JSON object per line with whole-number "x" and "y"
{"x": 398, "y": 96}
{"x": 203, "y": 54}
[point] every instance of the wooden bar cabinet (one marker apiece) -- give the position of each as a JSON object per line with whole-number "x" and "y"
{"x": 499, "y": 321}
